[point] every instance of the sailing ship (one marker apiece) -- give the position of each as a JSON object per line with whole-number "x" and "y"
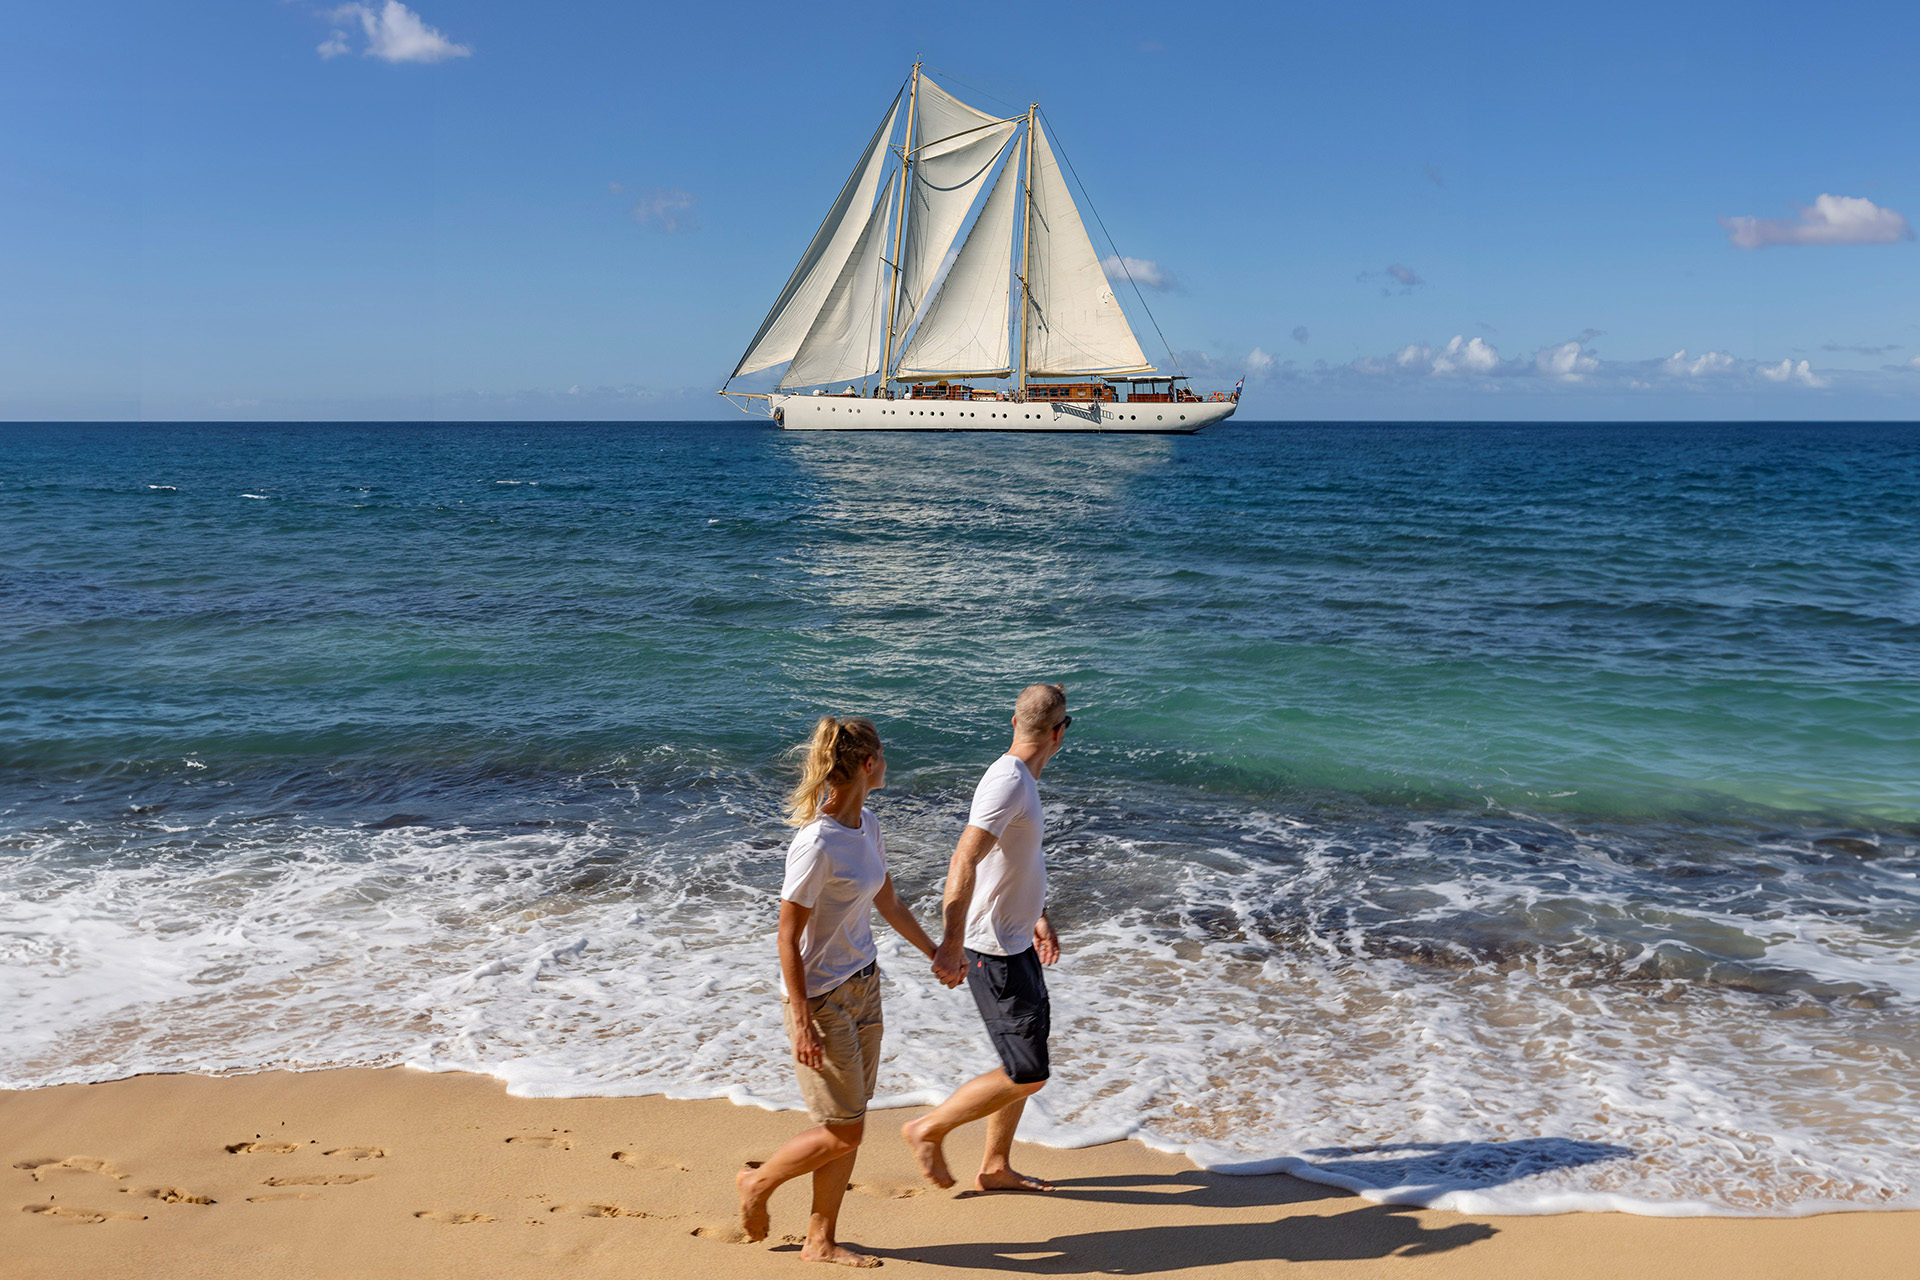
{"x": 876, "y": 309}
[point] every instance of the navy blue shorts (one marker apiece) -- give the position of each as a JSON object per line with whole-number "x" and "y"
{"x": 1012, "y": 994}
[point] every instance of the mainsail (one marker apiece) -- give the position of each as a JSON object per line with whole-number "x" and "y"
{"x": 799, "y": 304}
{"x": 1077, "y": 324}
{"x": 963, "y": 330}
{"x": 954, "y": 149}
{"x": 849, "y": 335}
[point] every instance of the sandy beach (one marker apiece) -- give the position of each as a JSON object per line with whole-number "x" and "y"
{"x": 405, "y": 1173}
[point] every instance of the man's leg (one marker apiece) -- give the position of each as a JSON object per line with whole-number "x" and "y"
{"x": 996, "y": 1169}
{"x": 979, "y": 1097}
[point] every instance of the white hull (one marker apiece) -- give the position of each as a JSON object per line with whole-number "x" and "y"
{"x": 849, "y": 413}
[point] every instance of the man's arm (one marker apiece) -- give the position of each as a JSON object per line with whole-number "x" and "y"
{"x": 807, "y": 1048}
{"x": 949, "y": 965}
{"x": 901, "y": 917}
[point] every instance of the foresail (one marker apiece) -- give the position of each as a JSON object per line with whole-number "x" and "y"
{"x": 1077, "y": 326}
{"x": 848, "y": 336}
{"x": 963, "y": 330}
{"x": 799, "y": 304}
{"x": 955, "y": 147}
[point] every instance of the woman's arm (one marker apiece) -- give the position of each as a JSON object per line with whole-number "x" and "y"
{"x": 900, "y": 916}
{"x": 807, "y": 1049}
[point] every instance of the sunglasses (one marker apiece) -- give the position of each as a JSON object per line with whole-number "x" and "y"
{"x": 1065, "y": 723}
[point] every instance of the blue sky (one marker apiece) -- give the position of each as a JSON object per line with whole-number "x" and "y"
{"x": 456, "y": 209}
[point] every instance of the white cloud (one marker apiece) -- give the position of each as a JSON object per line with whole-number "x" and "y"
{"x": 1830, "y": 220}
{"x": 1144, "y": 272}
{"x": 1567, "y": 362}
{"x": 1475, "y": 355}
{"x": 1462, "y": 356}
{"x": 1699, "y": 366}
{"x": 394, "y": 33}
{"x": 1258, "y": 362}
{"x": 667, "y": 209}
{"x": 1477, "y": 364}
{"x": 1788, "y": 370}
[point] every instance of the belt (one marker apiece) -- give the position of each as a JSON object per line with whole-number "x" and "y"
{"x": 873, "y": 967}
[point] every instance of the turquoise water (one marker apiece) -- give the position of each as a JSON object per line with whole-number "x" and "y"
{"x": 1486, "y": 734}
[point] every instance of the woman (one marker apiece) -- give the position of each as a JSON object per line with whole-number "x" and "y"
{"x": 836, "y": 876}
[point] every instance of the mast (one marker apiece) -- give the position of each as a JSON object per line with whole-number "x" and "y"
{"x": 900, "y": 229}
{"x": 1026, "y": 251}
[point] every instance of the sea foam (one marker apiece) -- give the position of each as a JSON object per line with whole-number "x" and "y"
{"x": 1224, "y": 1003}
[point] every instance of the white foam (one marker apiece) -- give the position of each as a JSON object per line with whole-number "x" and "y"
{"x": 1500, "y": 1089}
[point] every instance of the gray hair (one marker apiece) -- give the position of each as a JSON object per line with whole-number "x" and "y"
{"x": 1038, "y": 708}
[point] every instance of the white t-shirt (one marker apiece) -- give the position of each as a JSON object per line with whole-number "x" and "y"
{"x": 836, "y": 870}
{"x": 1010, "y": 883}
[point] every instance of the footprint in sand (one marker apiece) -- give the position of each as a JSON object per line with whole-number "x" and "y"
{"x": 359, "y": 1153}
{"x": 599, "y": 1211}
{"x": 263, "y": 1148}
{"x": 884, "y": 1192}
{"x": 317, "y": 1179}
{"x": 647, "y": 1160}
{"x": 452, "y": 1219}
{"x": 174, "y": 1195}
{"x": 725, "y": 1235}
{"x": 284, "y": 1195}
{"x": 550, "y": 1141}
{"x": 79, "y": 1214}
{"x": 79, "y": 1164}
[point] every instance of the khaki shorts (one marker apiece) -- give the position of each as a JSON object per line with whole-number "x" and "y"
{"x": 847, "y": 1020}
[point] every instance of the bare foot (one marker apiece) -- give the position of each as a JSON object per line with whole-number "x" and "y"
{"x": 1008, "y": 1180}
{"x": 838, "y": 1253}
{"x": 933, "y": 1161}
{"x": 753, "y": 1204}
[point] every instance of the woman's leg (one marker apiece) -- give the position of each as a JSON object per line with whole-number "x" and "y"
{"x": 810, "y": 1152}
{"x": 829, "y": 1188}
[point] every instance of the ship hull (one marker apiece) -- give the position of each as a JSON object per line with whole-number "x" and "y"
{"x": 849, "y": 413}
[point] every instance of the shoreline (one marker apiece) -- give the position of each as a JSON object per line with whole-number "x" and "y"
{"x": 395, "y": 1171}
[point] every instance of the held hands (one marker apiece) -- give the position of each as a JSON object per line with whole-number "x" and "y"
{"x": 1046, "y": 943}
{"x": 949, "y": 963}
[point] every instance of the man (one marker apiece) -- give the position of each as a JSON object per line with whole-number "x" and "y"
{"x": 996, "y": 939}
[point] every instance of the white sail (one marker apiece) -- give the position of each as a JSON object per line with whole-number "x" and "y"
{"x": 848, "y": 336}
{"x": 963, "y": 330}
{"x": 799, "y": 303}
{"x": 955, "y": 147}
{"x": 1077, "y": 326}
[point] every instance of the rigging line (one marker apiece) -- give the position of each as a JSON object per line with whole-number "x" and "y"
{"x": 948, "y": 75}
{"x": 1178, "y": 368}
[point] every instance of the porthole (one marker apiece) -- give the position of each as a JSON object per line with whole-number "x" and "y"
{"x": 1159, "y": 417}
{"x": 1183, "y": 417}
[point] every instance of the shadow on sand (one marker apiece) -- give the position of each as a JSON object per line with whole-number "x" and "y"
{"x": 1366, "y": 1231}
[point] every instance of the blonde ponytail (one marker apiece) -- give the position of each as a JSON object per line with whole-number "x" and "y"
{"x": 835, "y": 752}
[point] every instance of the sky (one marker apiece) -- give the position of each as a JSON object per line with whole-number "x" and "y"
{"x": 462, "y": 209}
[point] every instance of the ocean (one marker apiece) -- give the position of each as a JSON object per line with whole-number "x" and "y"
{"x": 1511, "y": 818}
